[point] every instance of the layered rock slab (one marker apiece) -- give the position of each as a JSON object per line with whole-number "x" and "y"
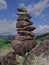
{"x": 27, "y": 28}
{"x": 21, "y": 24}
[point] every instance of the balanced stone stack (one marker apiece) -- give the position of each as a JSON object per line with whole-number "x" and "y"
{"x": 24, "y": 41}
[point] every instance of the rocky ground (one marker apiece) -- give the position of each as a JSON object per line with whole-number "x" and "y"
{"x": 38, "y": 56}
{"x": 5, "y": 51}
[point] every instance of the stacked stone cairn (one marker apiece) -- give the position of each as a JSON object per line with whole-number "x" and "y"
{"x": 24, "y": 41}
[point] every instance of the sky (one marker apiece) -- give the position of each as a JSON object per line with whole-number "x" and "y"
{"x": 38, "y": 9}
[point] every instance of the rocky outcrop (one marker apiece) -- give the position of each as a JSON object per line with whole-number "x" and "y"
{"x": 41, "y": 51}
{"x": 9, "y": 59}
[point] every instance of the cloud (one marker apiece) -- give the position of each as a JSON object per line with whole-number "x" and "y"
{"x": 3, "y": 4}
{"x": 37, "y": 8}
{"x": 48, "y": 5}
{"x": 44, "y": 19}
{"x": 42, "y": 29}
{"x": 43, "y": 16}
{"x": 22, "y": 5}
{"x": 7, "y": 26}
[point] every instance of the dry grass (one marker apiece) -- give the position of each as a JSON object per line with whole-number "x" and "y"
{"x": 40, "y": 60}
{"x": 5, "y": 51}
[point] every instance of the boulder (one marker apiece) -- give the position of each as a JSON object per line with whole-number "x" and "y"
{"x": 22, "y": 47}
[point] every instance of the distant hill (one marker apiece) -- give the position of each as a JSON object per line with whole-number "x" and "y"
{"x": 7, "y": 35}
{"x": 43, "y": 37}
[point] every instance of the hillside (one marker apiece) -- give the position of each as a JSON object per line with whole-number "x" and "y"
{"x": 42, "y": 37}
{"x": 5, "y": 41}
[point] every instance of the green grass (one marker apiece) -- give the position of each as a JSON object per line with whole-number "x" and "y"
{"x": 5, "y": 46}
{"x": 3, "y": 43}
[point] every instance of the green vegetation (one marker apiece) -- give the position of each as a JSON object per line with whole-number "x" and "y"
{"x": 42, "y": 37}
{"x": 5, "y": 42}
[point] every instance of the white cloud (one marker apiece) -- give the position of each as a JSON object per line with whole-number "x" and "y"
{"x": 22, "y": 5}
{"x": 3, "y": 4}
{"x": 43, "y": 16}
{"x": 7, "y": 26}
{"x": 42, "y": 29}
{"x": 48, "y": 5}
{"x": 37, "y": 8}
{"x": 44, "y": 19}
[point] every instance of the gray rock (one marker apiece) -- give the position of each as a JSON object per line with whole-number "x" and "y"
{"x": 22, "y": 47}
{"x": 27, "y": 28}
{"x": 21, "y": 24}
{"x": 26, "y": 33}
{"x": 9, "y": 59}
{"x": 23, "y": 17}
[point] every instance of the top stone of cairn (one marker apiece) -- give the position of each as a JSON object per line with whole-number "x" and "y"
{"x": 22, "y": 9}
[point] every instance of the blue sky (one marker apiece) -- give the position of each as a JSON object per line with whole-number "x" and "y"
{"x": 38, "y": 9}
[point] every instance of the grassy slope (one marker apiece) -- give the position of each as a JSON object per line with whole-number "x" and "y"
{"x": 42, "y": 37}
{"x": 5, "y": 45}
{"x": 5, "y": 42}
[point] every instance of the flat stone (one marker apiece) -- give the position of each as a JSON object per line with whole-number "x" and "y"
{"x": 27, "y": 28}
{"x": 22, "y": 47}
{"x": 22, "y": 38}
{"x": 22, "y": 9}
{"x": 23, "y": 13}
{"x": 21, "y": 24}
{"x": 26, "y": 33}
{"x": 23, "y": 17}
